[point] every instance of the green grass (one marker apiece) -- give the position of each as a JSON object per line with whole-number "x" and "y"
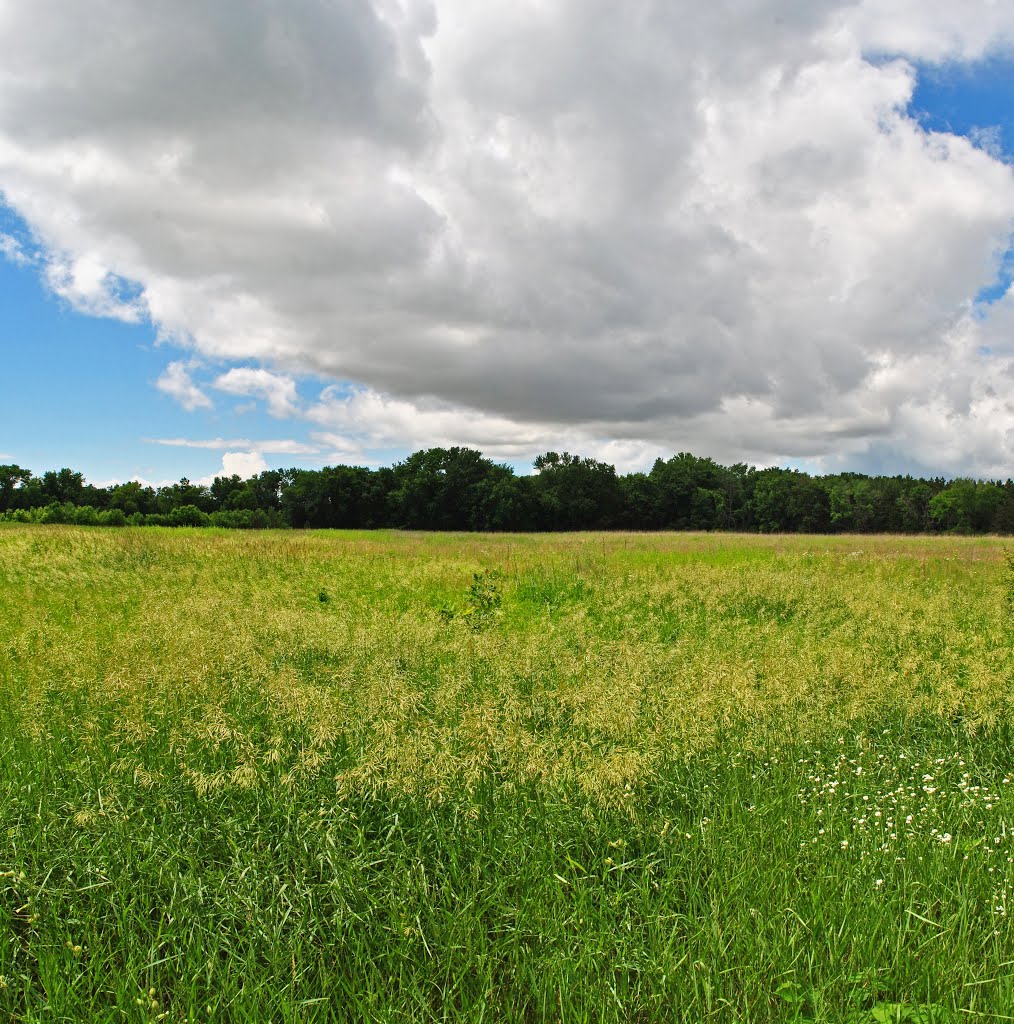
{"x": 300, "y": 777}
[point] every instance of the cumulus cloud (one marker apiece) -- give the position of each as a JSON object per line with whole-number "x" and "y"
{"x": 360, "y": 420}
{"x": 177, "y": 383}
{"x": 241, "y": 464}
{"x": 383, "y": 421}
{"x": 967, "y": 30}
{"x": 278, "y": 391}
{"x": 635, "y": 229}
{"x": 90, "y": 287}
{"x": 244, "y": 464}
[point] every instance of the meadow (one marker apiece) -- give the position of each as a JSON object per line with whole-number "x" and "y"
{"x": 382, "y": 776}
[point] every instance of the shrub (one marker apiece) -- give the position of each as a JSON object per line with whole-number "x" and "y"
{"x": 188, "y": 515}
{"x": 113, "y": 517}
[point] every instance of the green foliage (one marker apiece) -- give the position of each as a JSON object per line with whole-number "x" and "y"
{"x": 483, "y": 604}
{"x": 910, "y": 1013}
{"x": 450, "y": 489}
{"x": 11, "y": 478}
{"x": 188, "y": 515}
{"x": 696, "y": 493}
{"x": 789, "y": 502}
{"x": 966, "y": 506}
{"x": 459, "y": 489}
{"x": 576, "y": 493}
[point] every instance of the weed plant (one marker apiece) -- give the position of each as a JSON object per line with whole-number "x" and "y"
{"x": 406, "y": 777}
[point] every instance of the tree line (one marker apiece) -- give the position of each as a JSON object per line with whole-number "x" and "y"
{"x": 460, "y": 489}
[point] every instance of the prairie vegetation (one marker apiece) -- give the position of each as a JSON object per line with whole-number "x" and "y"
{"x": 296, "y": 776}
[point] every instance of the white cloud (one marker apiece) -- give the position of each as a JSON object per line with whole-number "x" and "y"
{"x": 340, "y": 450}
{"x": 12, "y": 250}
{"x": 244, "y": 464}
{"x": 176, "y": 383}
{"x": 241, "y": 464}
{"x": 385, "y": 421}
{"x": 91, "y": 287}
{"x": 965, "y": 30}
{"x": 367, "y": 420}
{"x": 989, "y": 138}
{"x": 681, "y": 226}
{"x": 142, "y": 480}
{"x": 278, "y": 391}
{"x": 278, "y": 447}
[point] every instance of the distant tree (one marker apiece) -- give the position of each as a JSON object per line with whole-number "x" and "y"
{"x": 448, "y": 489}
{"x": 708, "y": 509}
{"x": 133, "y": 497}
{"x": 509, "y": 502}
{"x": 11, "y": 479}
{"x": 63, "y": 486}
{"x": 460, "y": 489}
{"x": 268, "y": 487}
{"x": 1003, "y": 521}
{"x": 913, "y": 506}
{"x": 853, "y": 502}
{"x": 185, "y": 493}
{"x": 344, "y": 497}
{"x": 576, "y": 493}
{"x": 640, "y": 502}
{"x": 223, "y": 489}
{"x": 967, "y": 506}
{"x": 790, "y": 502}
{"x": 697, "y": 493}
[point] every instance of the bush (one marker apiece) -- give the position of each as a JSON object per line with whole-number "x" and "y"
{"x": 188, "y": 515}
{"x": 57, "y": 513}
{"x": 86, "y": 515}
{"x": 113, "y": 517}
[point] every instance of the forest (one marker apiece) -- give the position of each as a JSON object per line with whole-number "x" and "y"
{"x": 460, "y": 489}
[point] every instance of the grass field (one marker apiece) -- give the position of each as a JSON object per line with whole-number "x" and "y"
{"x": 402, "y": 777}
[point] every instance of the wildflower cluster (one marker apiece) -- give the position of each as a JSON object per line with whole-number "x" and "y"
{"x": 886, "y": 805}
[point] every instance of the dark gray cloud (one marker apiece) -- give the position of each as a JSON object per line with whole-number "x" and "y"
{"x": 639, "y": 226}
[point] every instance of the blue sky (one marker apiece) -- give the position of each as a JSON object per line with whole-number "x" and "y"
{"x": 773, "y": 268}
{"x": 81, "y": 390}
{"x": 84, "y": 393}
{"x": 975, "y": 100}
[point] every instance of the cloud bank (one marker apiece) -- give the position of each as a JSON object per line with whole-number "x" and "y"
{"x": 635, "y": 227}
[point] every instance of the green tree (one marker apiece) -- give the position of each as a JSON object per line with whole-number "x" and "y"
{"x": 696, "y": 493}
{"x": 787, "y": 501}
{"x": 63, "y": 486}
{"x": 640, "y": 502}
{"x": 133, "y": 497}
{"x": 11, "y": 479}
{"x": 1003, "y": 522}
{"x": 967, "y": 506}
{"x": 447, "y": 489}
{"x": 576, "y": 493}
{"x": 185, "y": 493}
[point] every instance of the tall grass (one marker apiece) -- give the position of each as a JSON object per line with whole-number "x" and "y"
{"x": 401, "y": 777}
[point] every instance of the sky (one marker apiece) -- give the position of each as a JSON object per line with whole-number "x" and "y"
{"x": 255, "y": 234}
